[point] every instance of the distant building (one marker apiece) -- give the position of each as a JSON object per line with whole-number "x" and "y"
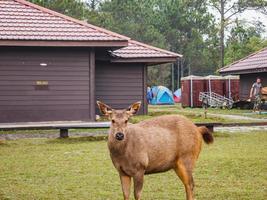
{"x": 248, "y": 68}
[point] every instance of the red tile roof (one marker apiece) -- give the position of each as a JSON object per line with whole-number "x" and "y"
{"x": 23, "y": 23}
{"x": 22, "y": 20}
{"x": 140, "y": 50}
{"x": 256, "y": 62}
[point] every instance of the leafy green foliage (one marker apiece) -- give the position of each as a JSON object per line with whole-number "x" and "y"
{"x": 76, "y": 9}
{"x": 229, "y": 9}
{"x": 243, "y": 41}
{"x": 180, "y": 26}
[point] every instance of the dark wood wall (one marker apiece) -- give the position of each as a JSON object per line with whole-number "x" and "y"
{"x": 246, "y": 81}
{"x": 121, "y": 84}
{"x": 66, "y": 97}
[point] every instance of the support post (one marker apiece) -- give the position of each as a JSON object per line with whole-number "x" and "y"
{"x": 178, "y": 73}
{"x": 64, "y": 133}
{"x": 205, "y": 112}
{"x": 172, "y": 71}
{"x": 145, "y": 106}
{"x": 211, "y": 128}
{"x": 191, "y": 93}
{"x": 182, "y": 67}
{"x": 92, "y": 100}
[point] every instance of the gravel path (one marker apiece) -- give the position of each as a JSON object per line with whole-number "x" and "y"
{"x": 241, "y": 129}
{"x": 43, "y": 134}
{"x": 237, "y": 117}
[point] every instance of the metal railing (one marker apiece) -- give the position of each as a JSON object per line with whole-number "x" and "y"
{"x": 213, "y": 99}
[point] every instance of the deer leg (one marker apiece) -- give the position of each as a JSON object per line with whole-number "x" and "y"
{"x": 184, "y": 171}
{"x": 126, "y": 186}
{"x": 138, "y": 184}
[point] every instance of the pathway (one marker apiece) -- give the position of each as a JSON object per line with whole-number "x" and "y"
{"x": 237, "y": 117}
{"x": 240, "y": 129}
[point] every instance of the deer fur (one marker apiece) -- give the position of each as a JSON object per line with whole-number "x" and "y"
{"x": 151, "y": 146}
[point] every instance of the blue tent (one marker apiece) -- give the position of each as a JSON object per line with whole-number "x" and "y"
{"x": 161, "y": 95}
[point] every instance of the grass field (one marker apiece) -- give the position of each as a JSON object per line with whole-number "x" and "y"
{"x": 178, "y": 108}
{"x": 234, "y": 167}
{"x": 197, "y": 114}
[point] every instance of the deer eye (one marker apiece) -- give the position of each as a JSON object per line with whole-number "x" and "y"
{"x": 126, "y": 121}
{"x": 113, "y": 121}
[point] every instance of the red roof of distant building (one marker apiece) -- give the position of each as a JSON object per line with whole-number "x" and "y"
{"x": 256, "y": 62}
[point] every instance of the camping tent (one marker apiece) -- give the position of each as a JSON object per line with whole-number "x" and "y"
{"x": 161, "y": 95}
{"x": 177, "y": 95}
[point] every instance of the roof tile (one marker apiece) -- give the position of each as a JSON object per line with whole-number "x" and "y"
{"x": 140, "y": 50}
{"x": 254, "y": 62}
{"x": 22, "y": 20}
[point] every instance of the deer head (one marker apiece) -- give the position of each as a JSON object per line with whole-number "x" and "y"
{"x": 119, "y": 118}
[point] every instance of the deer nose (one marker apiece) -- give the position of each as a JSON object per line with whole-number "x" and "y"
{"x": 119, "y": 136}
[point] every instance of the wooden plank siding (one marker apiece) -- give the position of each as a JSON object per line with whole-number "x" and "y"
{"x": 246, "y": 81}
{"x": 121, "y": 84}
{"x": 67, "y": 96}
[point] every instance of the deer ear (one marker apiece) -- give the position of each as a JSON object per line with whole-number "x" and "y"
{"x": 104, "y": 109}
{"x": 133, "y": 109}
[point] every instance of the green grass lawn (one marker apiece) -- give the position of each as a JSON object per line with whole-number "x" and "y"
{"x": 178, "y": 107}
{"x": 234, "y": 167}
{"x": 198, "y": 113}
{"x": 195, "y": 114}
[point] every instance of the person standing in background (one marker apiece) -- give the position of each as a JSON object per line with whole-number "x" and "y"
{"x": 149, "y": 95}
{"x": 255, "y": 94}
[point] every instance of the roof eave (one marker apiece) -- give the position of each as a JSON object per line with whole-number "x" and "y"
{"x": 148, "y": 61}
{"x": 236, "y": 62}
{"x": 247, "y": 71}
{"x": 56, "y": 43}
{"x": 156, "y": 48}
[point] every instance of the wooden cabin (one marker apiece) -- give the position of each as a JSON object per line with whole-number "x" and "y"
{"x": 248, "y": 69}
{"x": 54, "y": 67}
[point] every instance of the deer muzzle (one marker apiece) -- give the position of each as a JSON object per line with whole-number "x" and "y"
{"x": 119, "y": 136}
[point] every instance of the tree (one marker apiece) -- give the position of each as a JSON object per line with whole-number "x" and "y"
{"x": 228, "y": 9}
{"x": 93, "y": 4}
{"x": 180, "y": 26}
{"x": 190, "y": 30}
{"x": 76, "y": 9}
{"x": 243, "y": 40}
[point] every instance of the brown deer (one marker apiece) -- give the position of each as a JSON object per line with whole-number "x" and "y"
{"x": 151, "y": 146}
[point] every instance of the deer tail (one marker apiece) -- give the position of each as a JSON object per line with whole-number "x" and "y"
{"x": 206, "y": 134}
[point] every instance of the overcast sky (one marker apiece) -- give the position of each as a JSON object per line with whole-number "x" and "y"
{"x": 249, "y": 16}
{"x": 254, "y": 15}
